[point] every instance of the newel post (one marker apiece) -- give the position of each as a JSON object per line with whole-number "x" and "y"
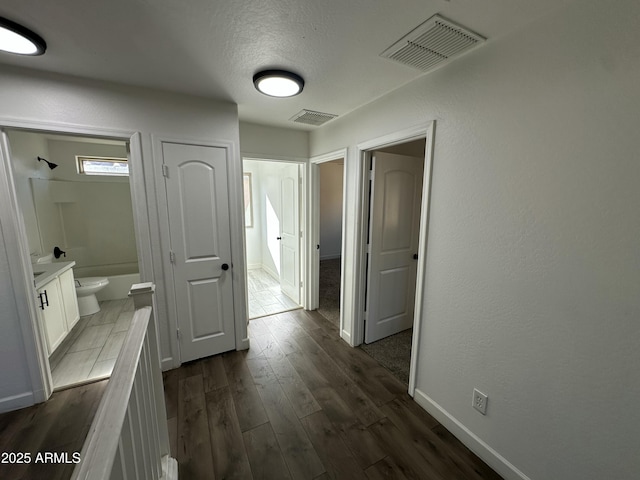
{"x": 143, "y": 296}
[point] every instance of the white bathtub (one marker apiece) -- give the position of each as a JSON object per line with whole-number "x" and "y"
{"x": 119, "y": 286}
{"x": 121, "y": 277}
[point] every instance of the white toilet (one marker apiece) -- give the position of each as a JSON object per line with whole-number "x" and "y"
{"x": 86, "y": 289}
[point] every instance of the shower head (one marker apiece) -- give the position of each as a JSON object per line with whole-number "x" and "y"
{"x": 51, "y": 164}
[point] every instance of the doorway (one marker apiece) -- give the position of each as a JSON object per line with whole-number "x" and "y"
{"x": 273, "y": 235}
{"x": 392, "y": 229}
{"x": 331, "y": 177}
{"x": 90, "y": 219}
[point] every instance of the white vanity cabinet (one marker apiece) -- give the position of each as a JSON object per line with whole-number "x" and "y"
{"x": 56, "y": 301}
{"x": 52, "y": 314}
{"x": 69, "y": 298}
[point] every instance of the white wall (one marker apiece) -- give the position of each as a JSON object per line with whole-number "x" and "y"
{"x": 25, "y": 149}
{"x": 70, "y": 103}
{"x": 533, "y": 265}
{"x": 89, "y": 217}
{"x": 253, "y": 235}
{"x": 260, "y": 141}
{"x": 331, "y": 183}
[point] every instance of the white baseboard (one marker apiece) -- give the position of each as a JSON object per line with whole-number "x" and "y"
{"x": 330, "y": 256}
{"x": 346, "y": 336}
{"x": 15, "y": 402}
{"x": 169, "y": 468}
{"x": 271, "y": 272}
{"x": 472, "y": 441}
{"x": 244, "y": 344}
{"x": 254, "y": 266}
{"x": 168, "y": 364}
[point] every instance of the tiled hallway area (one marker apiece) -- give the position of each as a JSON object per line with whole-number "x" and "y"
{"x": 90, "y": 350}
{"x": 265, "y": 296}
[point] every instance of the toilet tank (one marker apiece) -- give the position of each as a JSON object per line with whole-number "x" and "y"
{"x": 37, "y": 258}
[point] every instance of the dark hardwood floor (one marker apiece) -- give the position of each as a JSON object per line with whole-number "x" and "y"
{"x": 302, "y": 404}
{"x": 299, "y": 404}
{"x": 59, "y": 425}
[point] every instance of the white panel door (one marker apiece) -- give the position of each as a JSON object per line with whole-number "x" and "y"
{"x": 394, "y": 225}
{"x": 198, "y": 206}
{"x": 290, "y": 231}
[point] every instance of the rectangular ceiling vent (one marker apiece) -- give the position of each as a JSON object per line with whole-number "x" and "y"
{"x": 311, "y": 117}
{"x": 435, "y": 41}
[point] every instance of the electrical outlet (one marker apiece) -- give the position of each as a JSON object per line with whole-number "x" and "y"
{"x": 480, "y": 401}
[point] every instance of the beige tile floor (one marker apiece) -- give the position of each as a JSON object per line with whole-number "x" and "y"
{"x": 265, "y": 296}
{"x": 89, "y": 352}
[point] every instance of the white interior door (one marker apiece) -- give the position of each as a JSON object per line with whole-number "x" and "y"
{"x": 290, "y": 231}
{"x": 394, "y": 225}
{"x": 198, "y": 206}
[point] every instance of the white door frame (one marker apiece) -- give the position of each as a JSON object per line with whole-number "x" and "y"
{"x": 313, "y": 253}
{"x": 425, "y": 131}
{"x": 304, "y": 221}
{"x": 16, "y": 244}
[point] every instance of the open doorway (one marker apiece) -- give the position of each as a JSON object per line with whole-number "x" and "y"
{"x": 331, "y": 175}
{"x": 395, "y": 190}
{"x": 79, "y": 226}
{"x": 273, "y": 226}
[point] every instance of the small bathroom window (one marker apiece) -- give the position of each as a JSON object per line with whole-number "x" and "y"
{"x": 110, "y": 166}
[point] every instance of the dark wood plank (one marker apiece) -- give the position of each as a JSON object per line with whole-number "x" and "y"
{"x": 355, "y": 363}
{"x": 190, "y": 369}
{"x": 172, "y": 426}
{"x": 304, "y": 319}
{"x": 170, "y": 380}
{"x": 245, "y": 395}
{"x": 294, "y": 388}
{"x": 401, "y": 449}
{"x": 213, "y": 373}
{"x": 335, "y": 455}
{"x": 365, "y": 447}
{"x": 385, "y": 469}
{"x": 58, "y": 425}
{"x": 229, "y": 456}
{"x": 297, "y": 450}
{"x": 361, "y": 404}
{"x": 417, "y": 431}
{"x": 464, "y": 458}
{"x": 195, "y": 460}
{"x": 322, "y": 322}
{"x": 264, "y": 454}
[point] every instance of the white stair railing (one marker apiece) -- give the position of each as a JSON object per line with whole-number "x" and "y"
{"x": 128, "y": 438}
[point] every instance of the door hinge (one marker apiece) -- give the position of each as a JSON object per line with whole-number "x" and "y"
{"x": 301, "y": 282}
{"x": 300, "y": 233}
{"x": 172, "y": 257}
{"x": 165, "y": 170}
{"x": 178, "y": 334}
{"x": 368, "y": 248}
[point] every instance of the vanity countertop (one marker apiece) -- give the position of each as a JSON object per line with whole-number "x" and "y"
{"x": 43, "y": 273}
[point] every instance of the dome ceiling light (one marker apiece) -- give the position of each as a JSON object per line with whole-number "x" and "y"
{"x": 278, "y": 83}
{"x": 20, "y": 40}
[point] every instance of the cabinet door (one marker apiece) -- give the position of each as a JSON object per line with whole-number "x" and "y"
{"x": 53, "y": 321}
{"x": 69, "y": 298}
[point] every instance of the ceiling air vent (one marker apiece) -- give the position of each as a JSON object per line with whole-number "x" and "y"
{"x": 435, "y": 41}
{"x": 312, "y": 118}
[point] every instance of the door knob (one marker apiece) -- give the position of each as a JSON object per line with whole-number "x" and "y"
{"x": 278, "y": 238}
{"x": 415, "y": 256}
{"x": 225, "y": 266}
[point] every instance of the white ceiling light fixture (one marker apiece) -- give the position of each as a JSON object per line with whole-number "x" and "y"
{"x": 15, "y": 38}
{"x": 278, "y": 83}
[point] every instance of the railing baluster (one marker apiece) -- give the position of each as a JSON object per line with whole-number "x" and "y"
{"x": 128, "y": 439}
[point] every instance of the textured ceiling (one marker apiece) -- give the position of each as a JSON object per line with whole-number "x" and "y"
{"x": 212, "y": 48}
